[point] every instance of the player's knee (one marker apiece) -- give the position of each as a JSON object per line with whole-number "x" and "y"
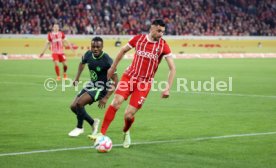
{"x": 73, "y": 107}
{"x": 79, "y": 104}
{"x": 116, "y": 103}
{"x": 128, "y": 116}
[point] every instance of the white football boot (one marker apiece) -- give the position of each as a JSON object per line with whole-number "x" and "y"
{"x": 127, "y": 140}
{"x": 76, "y": 132}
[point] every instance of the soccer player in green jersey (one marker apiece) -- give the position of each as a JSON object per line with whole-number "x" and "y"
{"x": 98, "y": 89}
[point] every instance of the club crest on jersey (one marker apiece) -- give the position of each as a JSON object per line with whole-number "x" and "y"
{"x": 147, "y": 54}
{"x": 157, "y": 50}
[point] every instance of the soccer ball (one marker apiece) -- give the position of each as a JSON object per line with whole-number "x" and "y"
{"x": 103, "y": 144}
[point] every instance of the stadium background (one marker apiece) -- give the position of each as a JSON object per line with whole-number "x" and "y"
{"x": 190, "y": 129}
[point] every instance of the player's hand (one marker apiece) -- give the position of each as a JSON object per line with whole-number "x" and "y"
{"x": 110, "y": 72}
{"x": 165, "y": 94}
{"x": 75, "y": 82}
{"x": 41, "y": 55}
{"x": 102, "y": 103}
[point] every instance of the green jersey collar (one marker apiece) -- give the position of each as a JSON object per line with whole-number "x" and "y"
{"x": 98, "y": 57}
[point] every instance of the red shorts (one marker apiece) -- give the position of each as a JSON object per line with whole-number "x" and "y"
{"x": 138, "y": 90}
{"x": 59, "y": 57}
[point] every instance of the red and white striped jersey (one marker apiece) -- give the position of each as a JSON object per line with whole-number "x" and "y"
{"x": 56, "y": 42}
{"x": 147, "y": 57}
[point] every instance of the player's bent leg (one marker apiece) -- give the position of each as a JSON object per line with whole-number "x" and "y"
{"x": 73, "y": 106}
{"x": 65, "y": 67}
{"x": 81, "y": 115}
{"x": 109, "y": 115}
{"x": 83, "y": 100}
{"x": 57, "y": 70}
{"x": 111, "y": 112}
{"x": 76, "y": 131}
{"x": 129, "y": 117}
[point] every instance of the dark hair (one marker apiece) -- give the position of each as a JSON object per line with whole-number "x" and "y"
{"x": 97, "y": 39}
{"x": 159, "y": 22}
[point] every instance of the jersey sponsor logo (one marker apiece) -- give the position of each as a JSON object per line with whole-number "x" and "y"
{"x": 57, "y": 40}
{"x": 146, "y": 54}
{"x": 93, "y": 75}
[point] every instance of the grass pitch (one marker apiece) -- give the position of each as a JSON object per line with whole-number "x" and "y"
{"x": 35, "y": 119}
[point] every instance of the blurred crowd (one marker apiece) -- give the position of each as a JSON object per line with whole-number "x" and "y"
{"x": 120, "y": 17}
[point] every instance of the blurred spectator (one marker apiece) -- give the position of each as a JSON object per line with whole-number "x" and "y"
{"x": 115, "y": 17}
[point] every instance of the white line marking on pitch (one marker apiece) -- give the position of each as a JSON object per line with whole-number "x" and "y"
{"x": 21, "y": 83}
{"x": 26, "y": 75}
{"x": 141, "y": 143}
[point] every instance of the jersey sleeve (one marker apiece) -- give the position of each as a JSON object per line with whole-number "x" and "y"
{"x": 49, "y": 38}
{"x": 85, "y": 57}
{"x": 132, "y": 42}
{"x": 110, "y": 61}
{"x": 166, "y": 51}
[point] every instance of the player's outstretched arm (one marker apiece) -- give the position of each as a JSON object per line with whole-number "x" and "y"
{"x": 118, "y": 58}
{"x": 70, "y": 45}
{"x": 172, "y": 72}
{"x": 45, "y": 48}
{"x": 80, "y": 69}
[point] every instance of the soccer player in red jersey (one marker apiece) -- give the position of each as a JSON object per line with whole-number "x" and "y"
{"x": 56, "y": 39}
{"x": 136, "y": 80}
